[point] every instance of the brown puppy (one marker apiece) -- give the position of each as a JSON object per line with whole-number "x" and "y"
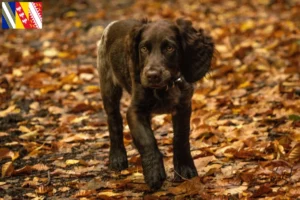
{"x": 156, "y": 62}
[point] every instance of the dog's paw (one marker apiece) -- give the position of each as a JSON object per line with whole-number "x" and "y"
{"x": 154, "y": 172}
{"x": 118, "y": 160}
{"x": 185, "y": 172}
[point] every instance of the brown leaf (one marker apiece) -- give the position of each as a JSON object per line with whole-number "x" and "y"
{"x": 294, "y": 192}
{"x": 29, "y": 135}
{"x": 294, "y": 154}
{"x": 64, "y": 189}
{"x": 236, "y": 190}
{"x": 10, "y": 110}
{"x": 37, "y": 80}
{"x": 40, "y": 167}
{"x": 70, "y": 79}
{"x": 228, "y": 182}
{"x": 2, "y": 183}
{"x": 49, "y": 88}
{"x": 247, "y": 25}
{"x": 235, "y": 145}
{"x": 106, "y": 194}
{"x": 24, "y": 129}
{"x": 276, "y": 163}
{"x": 71, "y": 162}
{"x": 7, "y": 169}
{"x": 86, "y": 76}
{"x": 279, "y": 149}
{"x": 2, "y": 134}
{"x": 24, "y": 170}
{"x": 4, "y": 153}
{"x": 34, "y": 183}
{"x": 202, "y": 162}
{"x": 43, "y": 189}
{"x": 82, "y": 107}
{"x": 77, "y": 137}
{"x": 94, "y": 184}
{"x": 221, "y": 71}
{"x": 63, "y": 172}
{"x": 200, "y": 131}
{"x": 83, "y": 193}
{"x": 262, "y": 191}
{"x": 190, "y": 187}
{"x": 90, "y": 89}
{"x": 247, "y": 176}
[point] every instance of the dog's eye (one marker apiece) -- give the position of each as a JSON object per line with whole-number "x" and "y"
{"x": 144, "y": 49}
{"x": 170, "y": 49}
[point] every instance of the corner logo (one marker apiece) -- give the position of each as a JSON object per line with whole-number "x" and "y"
{"x": 21, "y": 15}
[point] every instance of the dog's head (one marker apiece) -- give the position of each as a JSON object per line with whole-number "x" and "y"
{"x": 163, "y": 51}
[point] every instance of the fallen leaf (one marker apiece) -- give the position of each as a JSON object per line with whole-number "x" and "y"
{"x": 40, "y": 167}
{"x": 294, "y": 192}
{"x": 105, "y": 194}
{"x": 247, "y": 25}
{"x": 262, "y": 190}
{"x": 4, "y": 153}
{"x": 77, "y": 137}
{"x": 10, "y": 110}
{"x": 64, "y": 189}
{"x": 2, "y": 134}
{"x": 24, "y": 129}
{"x": 29, "y": 135}
{"x": 294, "y": 154}
{"x": 7, "y": 169}
{"x": 72, "y": 162}
{"x": 24, "y": 170}
{"x": 43, "y": 189}
{"x": 203, "y": 161}
{"x": 50, "y": 52}
{"x": 91, "y": 89}
{"x": 190, "y": 187}
{"x": 236, "y": 190}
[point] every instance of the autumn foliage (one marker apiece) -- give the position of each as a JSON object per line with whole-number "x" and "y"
{"x": 245, "y": 137}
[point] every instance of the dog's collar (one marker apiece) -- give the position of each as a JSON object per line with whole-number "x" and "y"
{"x": 171, "y": 84}
{"x": 177, "y": 80}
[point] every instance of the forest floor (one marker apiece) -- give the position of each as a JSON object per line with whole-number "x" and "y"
{"x": 245, "y": 137}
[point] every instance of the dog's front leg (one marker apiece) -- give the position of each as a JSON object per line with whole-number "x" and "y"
{"x": 183, "y": 162}
{"x": 144, "y": 140}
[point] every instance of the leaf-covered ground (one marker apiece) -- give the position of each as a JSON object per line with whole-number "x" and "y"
{"x": 245, "y": 136}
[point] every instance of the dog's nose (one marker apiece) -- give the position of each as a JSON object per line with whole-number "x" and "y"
{"x": 153, "y": 76}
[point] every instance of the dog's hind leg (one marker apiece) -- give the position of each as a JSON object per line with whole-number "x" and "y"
{"x": 111, "y": 95}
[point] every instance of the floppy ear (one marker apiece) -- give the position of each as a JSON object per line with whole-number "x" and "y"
{"x": 198, "y": 50}
{"x": 133, "y": 41}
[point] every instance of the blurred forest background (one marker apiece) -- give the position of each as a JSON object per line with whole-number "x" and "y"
{"x": 245, "y": 136}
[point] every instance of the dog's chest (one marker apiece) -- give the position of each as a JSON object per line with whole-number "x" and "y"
{"x": 165, "y": 101}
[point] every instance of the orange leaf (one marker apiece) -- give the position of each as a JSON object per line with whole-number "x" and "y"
{"x": 4, "y": 153}
{"x": 91, "y": 89}
{"x": 294, "y": 154}
{"x": 192, "y": 186}
{"x": 43, "y": 189}
{"x": 69, "y": 79}
{"x": 40, "y": 167}
{"x": 24, "y": 170}
{"x": 83, "y": 193}
{"x": 7, "y": 169}
{"x": 3, "y": 134}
